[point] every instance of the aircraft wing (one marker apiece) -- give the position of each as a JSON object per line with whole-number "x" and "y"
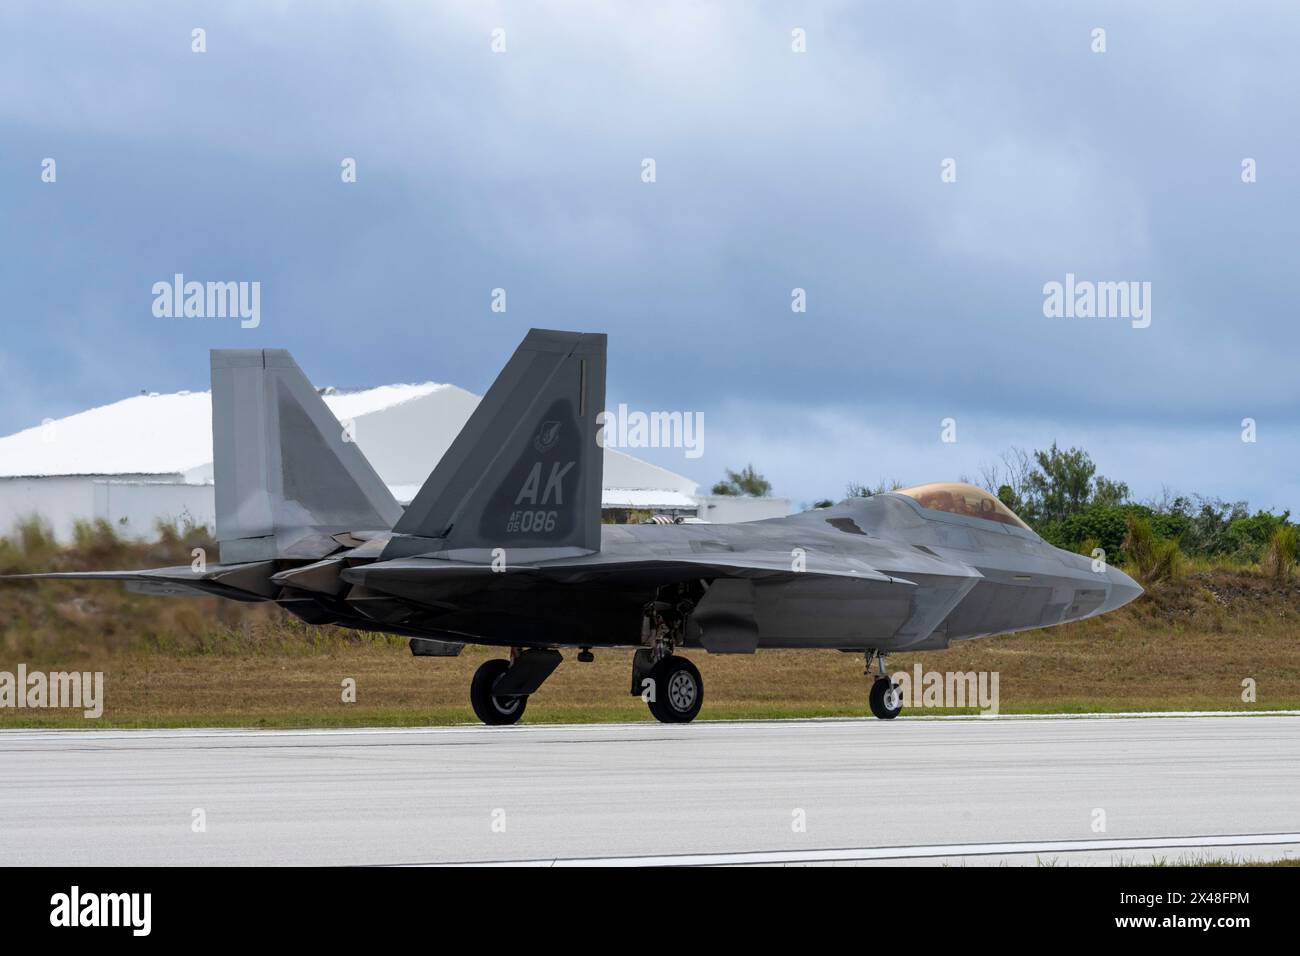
{"x": 597, "y": 567}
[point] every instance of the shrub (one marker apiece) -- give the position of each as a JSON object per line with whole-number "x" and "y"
{"x": 34, "y": 536}
{"x": 1252, "y": 536}
{"x": 1281, "y": 557}
{"x": 30, "y": 547}
{"x": 177, "y": 538}
{"x": 93, "y": 541}
{"x": 1154, "y": 559}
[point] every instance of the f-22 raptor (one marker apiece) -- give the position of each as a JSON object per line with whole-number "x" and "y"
{"x": 504, "y": 546}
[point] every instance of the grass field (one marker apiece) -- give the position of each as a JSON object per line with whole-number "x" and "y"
{"x": 1187, "y": 645}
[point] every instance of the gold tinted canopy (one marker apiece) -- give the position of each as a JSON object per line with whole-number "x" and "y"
{"x": 961, "y": 499}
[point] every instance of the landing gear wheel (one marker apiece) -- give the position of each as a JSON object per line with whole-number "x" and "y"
{"x": 678, "y": 690}
{"x": 886, "y": 699}
{"x": 494, "y": 711}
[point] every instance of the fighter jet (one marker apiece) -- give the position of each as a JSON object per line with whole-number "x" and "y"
{"x": 504, "y": 546}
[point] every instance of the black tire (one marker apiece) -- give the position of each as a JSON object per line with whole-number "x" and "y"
{"x": 885, "y": 709}
{"x": 678, "y": 690}
{"x": 494, "y": 711}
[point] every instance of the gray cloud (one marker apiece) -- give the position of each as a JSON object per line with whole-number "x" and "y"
{"x": 775, "y": 170}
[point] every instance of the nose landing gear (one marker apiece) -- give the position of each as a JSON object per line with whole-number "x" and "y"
{"x": 886, "y": 699}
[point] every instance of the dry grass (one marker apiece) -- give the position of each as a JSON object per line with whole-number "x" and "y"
{"x": 1280, "y": 558}
{"x": 1187, "y": 645}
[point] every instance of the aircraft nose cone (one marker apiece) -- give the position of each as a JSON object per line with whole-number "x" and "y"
{"x": 1120, "y": 591}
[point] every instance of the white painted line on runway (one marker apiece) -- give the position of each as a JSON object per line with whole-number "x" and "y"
{"x": 909, "y": 852}
{"x": 1103, "y": 716}
{"x": 196, "y": 732}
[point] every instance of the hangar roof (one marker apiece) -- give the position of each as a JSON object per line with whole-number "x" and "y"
{"x": 402, "y": 429}
{"x": 153, "y": 434}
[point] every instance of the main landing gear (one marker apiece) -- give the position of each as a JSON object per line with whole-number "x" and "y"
{"x": 500, "y": 689}
{"x": 494, "y": 709}
{"x": 886, "y": 698}
{"x": 670, "y": 685}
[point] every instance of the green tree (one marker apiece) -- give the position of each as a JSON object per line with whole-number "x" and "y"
{"x": 857, "y": 490}
{"x": 746, "y": 482}
{"x": 1062, "y": 497}
{"x": 1060, "y": 483}
{"x": 1109, "y": 494}
{"x": 1007, "y": 495}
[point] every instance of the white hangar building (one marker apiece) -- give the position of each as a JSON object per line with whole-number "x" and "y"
{"x": 149, "y": 458}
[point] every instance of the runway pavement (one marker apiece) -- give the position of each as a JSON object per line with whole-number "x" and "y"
{"x": 815, "y": 791}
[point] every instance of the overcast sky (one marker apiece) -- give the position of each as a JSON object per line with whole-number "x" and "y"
{"x": 774, "y": 170}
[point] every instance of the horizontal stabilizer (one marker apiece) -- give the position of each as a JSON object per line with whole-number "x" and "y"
{"x": 247, "y": 582}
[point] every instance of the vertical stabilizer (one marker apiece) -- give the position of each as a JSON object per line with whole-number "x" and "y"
{"x": 524, "y": 473}
{"x": 287, "y": 478}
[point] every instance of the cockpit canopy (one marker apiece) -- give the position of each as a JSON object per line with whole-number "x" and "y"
{"x": 961, "y": 499}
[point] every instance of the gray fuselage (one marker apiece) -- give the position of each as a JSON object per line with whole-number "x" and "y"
{"x": 878, "y": 572}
